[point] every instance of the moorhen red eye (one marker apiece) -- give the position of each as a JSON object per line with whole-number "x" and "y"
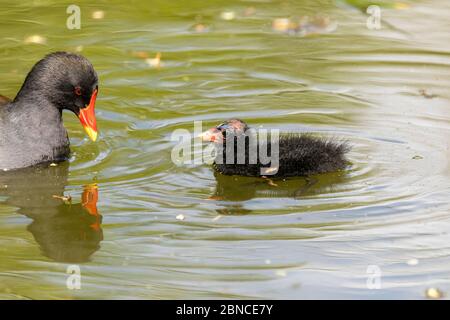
{"x": 298, "y": 154}
{"x": 31, "y": 126}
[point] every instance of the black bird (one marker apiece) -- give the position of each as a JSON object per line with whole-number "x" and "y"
{"x": 298, "y": 154}
{"x": 31, "y": 126}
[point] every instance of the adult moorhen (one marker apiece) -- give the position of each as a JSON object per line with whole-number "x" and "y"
{"x": 31, "y": 126}
{"x": 298, "y": 154}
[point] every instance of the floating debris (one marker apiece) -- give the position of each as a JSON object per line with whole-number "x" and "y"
{"x": 417, "y": 157}
{"x": 228, "y": 15}
{"x": 270, "y": 181}
{"x": 98, "y": 14}
{"x": 64, "y": 198}
{"x": 154, "y": 62}
{"x": 35, "y": 39}
{"x": 305, "y": 25}
{"x": 180, "y": 217}
{"x": 426, "y": 94}
{"x": 412, "y": 262}
{"x": 216, "y": 218}
{"x": 434, "y": 293}
{"x": 282, "y": 24}
{"x": 140, "y": 54}
{"x": 249, "y": 11}
{"x": 199, "y": 27}
{"x": 53, "y": 164}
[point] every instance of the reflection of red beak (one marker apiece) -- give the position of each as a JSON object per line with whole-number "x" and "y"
{"x": 211, "y": 135}
{"x": 89, "y": 200}
{"x": 87, "y": 117}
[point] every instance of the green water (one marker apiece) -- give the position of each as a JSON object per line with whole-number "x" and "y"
{"x": 240, "y": 237}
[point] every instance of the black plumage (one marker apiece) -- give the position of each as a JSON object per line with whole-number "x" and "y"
{"x": 31, "y": 126}
{"x": 300, "y": 154}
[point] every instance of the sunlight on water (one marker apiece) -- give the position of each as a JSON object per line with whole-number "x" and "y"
{"x": 385, "y": 91}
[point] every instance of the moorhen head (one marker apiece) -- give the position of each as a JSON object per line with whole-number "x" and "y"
{"x": 218, "y": 134}
{"x": 298, "y": 154}
{"x": 31, "y": 127}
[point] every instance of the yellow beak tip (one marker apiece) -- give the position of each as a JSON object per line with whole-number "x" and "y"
{"x": 94, "y": 137}
{"x": 91, "y": 133}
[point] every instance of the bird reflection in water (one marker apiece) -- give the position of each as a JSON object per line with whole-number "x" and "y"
{"x": 65, "y": 231}
{"x": 233, "y": 191}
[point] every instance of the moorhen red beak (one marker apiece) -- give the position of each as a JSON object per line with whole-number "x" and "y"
{"x": 31, "y": 126}
{"x": 87, "y": 117}
{"x": 217, "y": 134}
{"x": 211, "y": 135}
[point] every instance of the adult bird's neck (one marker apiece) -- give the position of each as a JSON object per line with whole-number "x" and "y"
{"x": 35, "y": 102}
{"x": 34, "y": 112}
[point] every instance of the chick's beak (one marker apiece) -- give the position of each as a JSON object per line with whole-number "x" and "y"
{"x": 211, "y": 135}
{"x": 87, "y": 117}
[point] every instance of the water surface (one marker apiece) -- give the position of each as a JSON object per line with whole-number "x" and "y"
{"x": 385, "y": 91}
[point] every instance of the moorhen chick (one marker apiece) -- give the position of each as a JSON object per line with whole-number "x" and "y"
{"x": 298, "y": 154}
{"x": 31, "y": 126}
